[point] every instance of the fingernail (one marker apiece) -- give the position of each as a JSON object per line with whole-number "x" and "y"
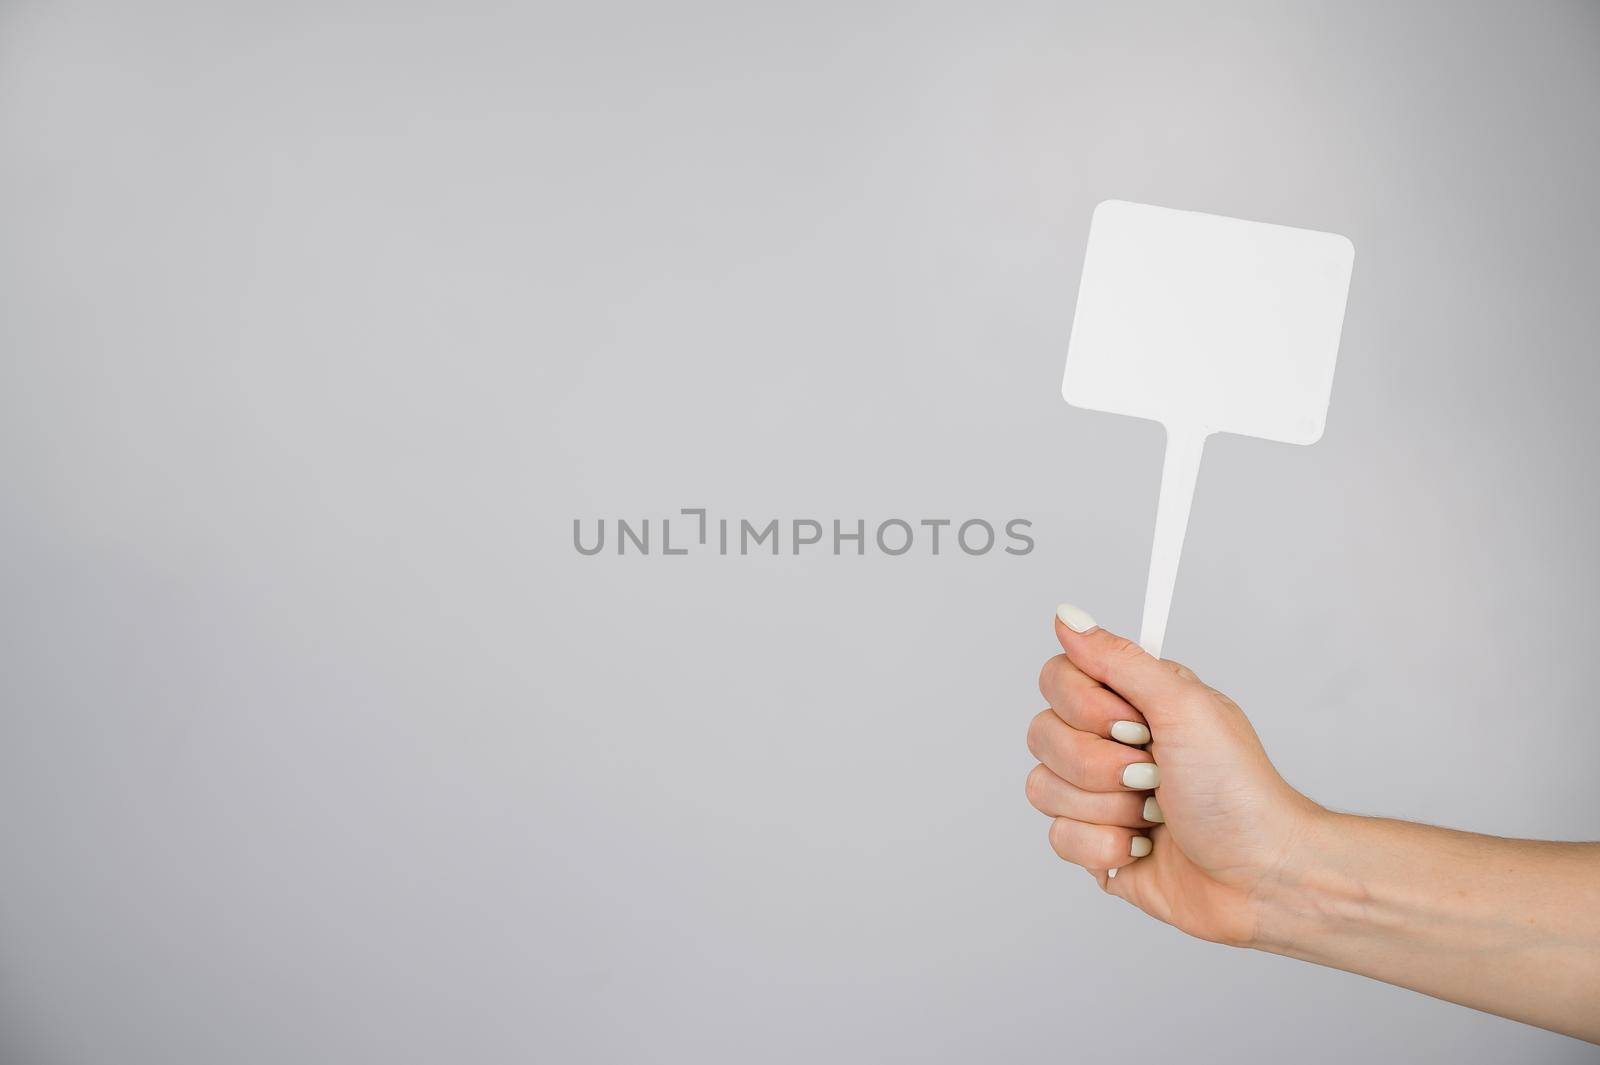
{"x": 1111, "y": 874}
{"x": 1152, "y": 811}
{"x": 1073, "y": 618}
{"x": 1130, "y": 732}
{"x": 1141, "y": 846}
{"x": 1141, "y": 775}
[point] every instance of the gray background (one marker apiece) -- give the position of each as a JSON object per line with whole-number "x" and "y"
{"x": 321, "y": 323}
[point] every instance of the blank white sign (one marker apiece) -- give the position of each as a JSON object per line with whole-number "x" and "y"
{"x": 1209, "y": 323}
{"x": 1205, "y": 324}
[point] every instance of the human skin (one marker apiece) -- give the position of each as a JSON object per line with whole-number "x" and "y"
{"x": 1231, "y": 853}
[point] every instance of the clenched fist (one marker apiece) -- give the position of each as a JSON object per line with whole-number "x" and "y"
{"x": 1152, "y": 775}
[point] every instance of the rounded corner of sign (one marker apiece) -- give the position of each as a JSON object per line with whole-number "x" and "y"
{"x": 1347, "y": 249}
{"x": 1313, "y": 436}
{"x": 1108, "y": 206}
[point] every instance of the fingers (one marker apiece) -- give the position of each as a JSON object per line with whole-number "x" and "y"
{"x": 1155, "y": 687}
{"x": 1097, "y": 846}
{"x": 1103, "y": 690}
{"x": 1090, "y": 762}
{"x": 1087, "y": 705}
{"x": 1051, "y": 795}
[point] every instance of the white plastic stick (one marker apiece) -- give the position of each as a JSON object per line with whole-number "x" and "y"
{"x": 1179, "y": 471}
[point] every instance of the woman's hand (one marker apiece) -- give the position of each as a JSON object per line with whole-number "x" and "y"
{"x": 1229, "y": 852}
{"x": 1195, "y": 850}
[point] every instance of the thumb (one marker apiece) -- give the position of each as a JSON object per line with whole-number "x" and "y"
{"x": 1153, "y": 686}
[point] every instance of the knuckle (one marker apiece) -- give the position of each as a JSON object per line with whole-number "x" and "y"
{"x": 1058, "y": 839}
{"x": 1118, "y": 655}
{"x": 1050, "y": 676}
{"x": 1121, "y": 648}
{"x": 1036, "y": 785}
{"x": 1036, "y": 733}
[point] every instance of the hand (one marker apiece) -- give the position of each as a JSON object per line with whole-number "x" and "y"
{"x": 1221, "y": 822}
{"x": 1229, "y": 852}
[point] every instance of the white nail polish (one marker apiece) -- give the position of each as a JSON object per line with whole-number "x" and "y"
{"x": 1141, "y": 846}
{"x": 1141, "y": 775}
{"x": 1074, "y": 619}
{"x": 1130, "y": 732}
{"x": 1152, "y": 811}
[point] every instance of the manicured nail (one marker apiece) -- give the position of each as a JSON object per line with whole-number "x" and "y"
{"x": 1152, "y": 811}
{"x": 1073, "y": 618}
{"x": 1141, "y": 846}
{"x": 1130, "y": 732}
{"x": 1141, "y": 775}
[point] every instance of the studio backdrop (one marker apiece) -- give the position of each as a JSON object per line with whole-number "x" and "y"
{"x": 528, "y": 531}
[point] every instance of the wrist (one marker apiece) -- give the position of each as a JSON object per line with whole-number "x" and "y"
{"x": 1311, "y": 893}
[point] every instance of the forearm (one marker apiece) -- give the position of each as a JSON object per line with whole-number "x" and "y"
{"x": 1511, "y": 927}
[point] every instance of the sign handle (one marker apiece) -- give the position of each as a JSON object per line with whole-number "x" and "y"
{"x": 1179, "y": 470}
